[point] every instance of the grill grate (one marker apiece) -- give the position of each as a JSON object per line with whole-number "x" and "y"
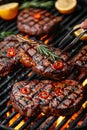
{"x": 42, "y": 122}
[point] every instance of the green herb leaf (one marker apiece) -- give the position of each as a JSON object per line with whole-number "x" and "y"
{"x": 5, "y": 34}
{"x": 37, "y": 4}
{"x": 44, "y": 50}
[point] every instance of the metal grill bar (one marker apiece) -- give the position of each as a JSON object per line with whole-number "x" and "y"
{"x": 28, "y": 122}
{"x": 49, "y": 124}
{"x": 77, "y": 119}
{"x": 5, "y": 110}
{"x": 17, "y": 121}
{"x": 9, "y": 118}
{"x": 10, "y": 78}
{"x": 4, "y": 101}
{"x": 62, "y": 123}
{"x": 38, "y": 123}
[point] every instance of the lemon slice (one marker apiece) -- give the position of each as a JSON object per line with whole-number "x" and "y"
{"x": 9, "y": 11}
{"x": 65, "y": 6}
{"x": 79, "y": 31}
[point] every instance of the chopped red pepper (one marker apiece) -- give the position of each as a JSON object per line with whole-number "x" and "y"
{"x": 11, "y": 52}
{"x": 44, "y": 94}
{"x": 58, "y": 65}
{"x": 37, "y": 16}
{"x": 25, "y": 90}
{"x": 57, "y": 92}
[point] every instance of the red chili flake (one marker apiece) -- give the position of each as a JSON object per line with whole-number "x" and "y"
{"x": 57, "y": 65}
{"x": 11, "y": 52}
{"x": 25, "y": 90}
{"x": 44, "y": 94}
{"x": 37, "y": 16}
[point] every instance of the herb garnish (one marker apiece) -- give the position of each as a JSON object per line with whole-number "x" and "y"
{"x": 4, "y": 34}
{"x": 44, "y": 50}
{"x": 37, "y": 4}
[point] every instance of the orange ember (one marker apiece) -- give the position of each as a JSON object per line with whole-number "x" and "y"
{"x": 14, "y": 119}
{"x": 26, "y": 36}
{"x": 43, "y": 37}
{"x": 37, "y": 16}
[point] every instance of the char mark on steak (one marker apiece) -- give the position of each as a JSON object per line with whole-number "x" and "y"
{"x": 43, "y": 64}
{"x": 49, "y": 97}
{"x": 8, "y": 55}
{"x": 80, "y": 60}
{"x": 9, "y": 59}
{"x": 37, "y": 21}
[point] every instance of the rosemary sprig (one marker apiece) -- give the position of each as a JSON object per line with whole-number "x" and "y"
{"x": 4, "y": 34}
{"x": 37, "y": 4}
{"x": 44, "y": 50}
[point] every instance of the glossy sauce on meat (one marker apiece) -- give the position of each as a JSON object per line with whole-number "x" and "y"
{"x": 49, "y": 97}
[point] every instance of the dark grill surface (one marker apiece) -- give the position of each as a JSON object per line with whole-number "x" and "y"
{"x": 43, "y": 122}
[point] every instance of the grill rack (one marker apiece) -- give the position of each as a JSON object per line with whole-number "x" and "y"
{"x": 6, "y": 82}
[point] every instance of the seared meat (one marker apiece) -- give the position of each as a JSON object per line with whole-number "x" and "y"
{"x": 37, "y": 21}
{"x": 80, "y": 60}
{"x": 44, "y": 64}
{"x": 49, "y": 97}
{"x": 8, "y": 55}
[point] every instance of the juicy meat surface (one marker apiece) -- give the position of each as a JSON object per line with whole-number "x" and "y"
{"x": 47, "y": 96}
{"x": 42, "y": 64}
{"x": 80, "y": 60}
{"x": 37, "y": 21}
{"x": 8, "y": 55}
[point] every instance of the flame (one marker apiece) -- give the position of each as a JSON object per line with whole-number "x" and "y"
{"x": 47, "y": 40}
{"x": 85, "y": 82}
{"x": 84, "y": 104}
{"x": 80, "y": 123}
{"x": 43, "y": 37}
{"x": 59, "y": 120}
{"x": 14, "y": 118}
{"x": 26, "y": 36}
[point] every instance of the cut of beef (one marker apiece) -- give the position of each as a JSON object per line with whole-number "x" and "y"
{"x": 37, "y": 21}
{"x": 43, "y": 63}
{"x": 49, "y": 97}
{"x": 8, "y": 55}
{"x": 80, "y": 60}
{"x": 9, "y": 58}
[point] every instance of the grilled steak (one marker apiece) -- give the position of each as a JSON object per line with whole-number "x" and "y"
{"x": 49, "y": 97}
{"x": 43, "y": 63}
{"x": 37, "y": 21}
{"x": 9, "y": 58}
{"x": 8, "y": 55}
{"x": 80, "y": 60}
